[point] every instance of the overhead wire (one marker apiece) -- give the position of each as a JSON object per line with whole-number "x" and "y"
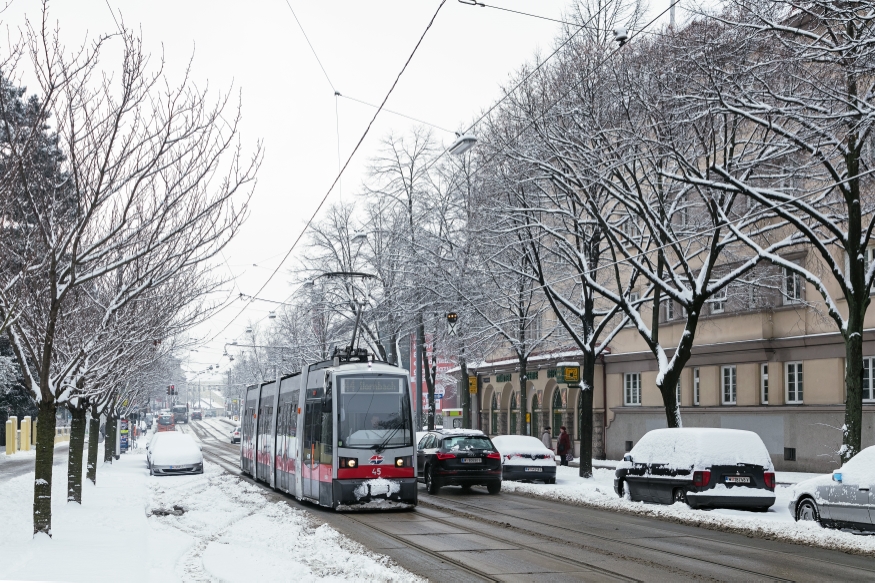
{"x": 348, "y": 160}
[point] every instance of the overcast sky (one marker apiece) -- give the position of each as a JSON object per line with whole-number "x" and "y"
{"x": 258, "y": 49}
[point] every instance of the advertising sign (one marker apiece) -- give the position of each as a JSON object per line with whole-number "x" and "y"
{"x": 124, "y": 434}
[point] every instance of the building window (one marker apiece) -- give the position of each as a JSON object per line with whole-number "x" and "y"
{"x": 557, "y": 411}
{"x": 514, "y": 428}
{"x": 668, "y": 309}
{"x": 632, "y": 394}
{"x": 794, "y": 382}
{"x": 764, "y": 384}
{"x": 728, "y": 385}
{"x": 790, "y": 454}
{"x": 718, "y": 302}
{"x": 494, "y": 415}
{"x": 628, "y": 445}
{"x": 793, "y": 287}
{"x": 634, "y": 297}
{"x": 869, "y": 380}
{"x": 696, "y": 386}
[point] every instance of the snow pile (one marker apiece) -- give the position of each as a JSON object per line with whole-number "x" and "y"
{"x": 701, "y": 448}
{"x": 221, "y": 528}
{"x": 776, "y": 524}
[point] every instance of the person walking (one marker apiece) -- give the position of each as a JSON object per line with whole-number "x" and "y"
{"x": 563, "y": 447}
{"x": 546, "y": 439}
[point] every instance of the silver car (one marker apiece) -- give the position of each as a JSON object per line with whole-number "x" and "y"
{"x": 845, "y": 499}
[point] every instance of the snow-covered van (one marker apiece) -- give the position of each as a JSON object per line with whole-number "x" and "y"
{"x": 704, "y": 467}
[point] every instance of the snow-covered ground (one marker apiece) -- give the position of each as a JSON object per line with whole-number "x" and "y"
{"x": 777, "y": 523}
{"x": 227, "y": 530}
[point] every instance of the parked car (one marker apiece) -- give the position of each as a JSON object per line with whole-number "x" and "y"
{"x": 166, "y": 423}
{"x": 175, "y": 453}
{"x": 458, "y": 457}
{"x": 845, "y": 499}
{"x": 197, "y": 415}
{"x": 525, "y": 458}
{"x": 235, "y": 435}
{"x": 705, "y": 468}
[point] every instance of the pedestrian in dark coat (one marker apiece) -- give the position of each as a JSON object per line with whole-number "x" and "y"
{"x": 563, "y": 447}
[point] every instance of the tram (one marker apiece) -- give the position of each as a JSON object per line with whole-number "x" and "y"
{"x": 339, "y": 434}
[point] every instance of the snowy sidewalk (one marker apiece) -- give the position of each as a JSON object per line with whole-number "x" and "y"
{"x": 228, "y": 530}
{"x": 777, "y": 523}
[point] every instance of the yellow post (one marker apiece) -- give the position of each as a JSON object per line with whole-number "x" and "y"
{"x": 33, "y": 433}
{"x": 11, "y": 435}
{"x": 25, "y": 433}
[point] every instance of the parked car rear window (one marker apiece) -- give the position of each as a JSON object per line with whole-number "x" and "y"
{"x": 165, "y": 421}
{"x": 452, "y": 443}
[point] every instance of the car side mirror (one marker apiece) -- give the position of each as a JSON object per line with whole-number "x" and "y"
{"x": 627, "y": 458}
{"x": 837, "y": 476}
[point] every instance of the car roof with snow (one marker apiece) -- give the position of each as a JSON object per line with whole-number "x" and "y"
{"x": 701, "y": 447}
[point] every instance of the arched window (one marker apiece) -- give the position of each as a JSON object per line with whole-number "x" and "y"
{"x": 536, "y": 416}
{"x": 557, "y": 411}
{"x": 494, "y": 410}
{"x": 514, "y": 428}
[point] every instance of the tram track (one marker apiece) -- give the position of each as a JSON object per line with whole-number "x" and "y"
{"x": 577, "y": 544}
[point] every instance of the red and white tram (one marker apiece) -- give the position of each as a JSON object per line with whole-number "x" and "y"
{"x": 339, "y": 433}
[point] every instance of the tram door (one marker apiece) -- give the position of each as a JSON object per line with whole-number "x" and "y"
{"x": 310, "y": 459}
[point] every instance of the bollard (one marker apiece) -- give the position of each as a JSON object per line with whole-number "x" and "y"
{"x": 10, "y": 440}
{"x": 33, "y": 433}
{"x": 13, "y": 434}
{"x": 25, "y": 433}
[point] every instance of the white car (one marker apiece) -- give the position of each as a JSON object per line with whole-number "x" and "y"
{"x": 844, "y": 499}
{"x": 525, "y": 458}
{"x": 235, "y": 435}
{"x": 174, "y": 453}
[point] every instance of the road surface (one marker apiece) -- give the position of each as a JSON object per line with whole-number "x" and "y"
{"x": 473, "y": 536}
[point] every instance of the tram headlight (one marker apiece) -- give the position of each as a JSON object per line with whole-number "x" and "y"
{"x": 349, "y": 462}
{"x": 404, "y": 462}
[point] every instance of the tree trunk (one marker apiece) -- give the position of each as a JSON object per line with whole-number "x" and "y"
{"x": 45, "y": 450}
{"x": 93, "y": 443}
{"x": 109, "y": 441}
{"x": 668, "y": 389}
{"x": 587, "y": 387}
{"x": 524, "y": 409}
{"x": 74, "y": 460}
{"x": 852, "y": 431}
{"x": 420, "y": 340}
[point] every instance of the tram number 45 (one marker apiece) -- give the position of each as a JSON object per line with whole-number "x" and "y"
{"x": 376, "y": 472}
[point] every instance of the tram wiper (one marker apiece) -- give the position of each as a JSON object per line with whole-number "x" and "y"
{"x": 382, "y": 446}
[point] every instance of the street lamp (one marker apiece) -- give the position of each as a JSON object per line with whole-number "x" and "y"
{"x": 463, "y": 143}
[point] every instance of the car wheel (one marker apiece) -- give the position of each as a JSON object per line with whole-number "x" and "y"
{"x": 550, "y": 481}
{"x": 493, "y": 487}
{"x": 807, "y": 510}
{"x": 466, "y": 487}
{"x": 679, "y": 496}
{"x": 431, "y": 485}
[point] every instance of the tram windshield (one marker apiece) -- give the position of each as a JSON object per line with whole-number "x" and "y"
{"x": 374, "y": 412}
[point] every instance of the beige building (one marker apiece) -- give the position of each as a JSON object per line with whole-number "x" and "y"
{"x": 774, "y": 366}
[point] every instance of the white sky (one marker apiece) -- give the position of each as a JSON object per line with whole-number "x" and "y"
{"x": 257, "y": 47}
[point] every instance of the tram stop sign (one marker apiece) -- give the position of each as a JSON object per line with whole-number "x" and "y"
{"x": 568, "y": 373}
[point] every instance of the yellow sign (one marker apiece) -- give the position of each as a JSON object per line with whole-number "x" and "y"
{"x": 472, "y": 385}
{"x": 125, "y": 403}
{"x": 572, "y": 374}
{"x": 528, "y": 417}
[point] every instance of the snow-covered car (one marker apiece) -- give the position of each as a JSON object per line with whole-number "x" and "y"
{"x": 704, "y": 467}
{"x": 175, "y": 453}
{"x": 525, "y": 458}
{"x": 845, "y": 499}
{"x": 235, "y": 435}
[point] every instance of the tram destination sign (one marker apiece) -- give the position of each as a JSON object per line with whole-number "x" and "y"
{"x": 371, "y": 385}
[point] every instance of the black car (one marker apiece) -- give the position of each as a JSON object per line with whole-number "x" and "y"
{"x": 458, "y": 458}
{"x": 702, "y": 467}
{"x": 196, "y": 414}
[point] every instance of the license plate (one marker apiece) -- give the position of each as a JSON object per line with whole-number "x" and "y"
{"x": 379, "y": 490}
{"x": 737, "y": 480}
{"x": 472, "y": 460}
{"x": 533, "y": 469}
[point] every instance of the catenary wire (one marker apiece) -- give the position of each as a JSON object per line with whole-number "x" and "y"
{"x": 348, "y": 160}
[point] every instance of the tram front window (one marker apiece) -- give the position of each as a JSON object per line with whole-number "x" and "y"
{"x": 374, "y": 412}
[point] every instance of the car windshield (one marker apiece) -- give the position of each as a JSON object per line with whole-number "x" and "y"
{"x": 374, "y": 412}
{"x": 165, "y": 421}
{"x": 179, "y": 409}
{"x": 466, "y": 443}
